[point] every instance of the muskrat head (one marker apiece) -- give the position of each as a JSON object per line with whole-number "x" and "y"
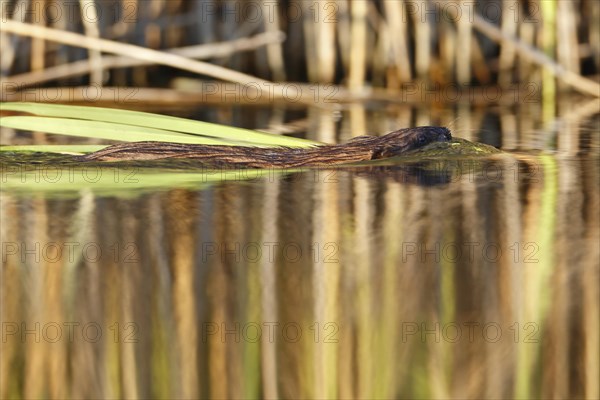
{"x": 403, "y": 140}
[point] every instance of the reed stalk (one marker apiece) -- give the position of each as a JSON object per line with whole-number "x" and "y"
{"x": 358, "y": 38}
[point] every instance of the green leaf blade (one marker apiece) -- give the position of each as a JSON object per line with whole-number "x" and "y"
{"x": 104, "y": 130}
{"x": 157, "y": 121}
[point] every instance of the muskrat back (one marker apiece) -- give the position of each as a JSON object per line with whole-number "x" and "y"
{"x": 361, "y": 148}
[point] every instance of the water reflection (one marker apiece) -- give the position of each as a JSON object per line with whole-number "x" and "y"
{"x": 326, "y": 284}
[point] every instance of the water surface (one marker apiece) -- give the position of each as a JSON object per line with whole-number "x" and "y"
{"x": 469, "y": 278}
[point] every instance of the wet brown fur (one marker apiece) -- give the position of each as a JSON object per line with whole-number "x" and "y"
{"x": 361, "y": 148}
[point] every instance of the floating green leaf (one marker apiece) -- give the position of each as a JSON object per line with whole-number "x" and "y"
{"x": 133, "y": 121}
{"x": 104, "y": 130}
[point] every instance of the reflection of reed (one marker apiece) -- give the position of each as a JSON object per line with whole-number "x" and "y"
{"x": 165, "y": 365}
{"x": 375, "y": 293}
{"x": 589, "y": 280}
{"x": 34, "y": 308}
{"x": 326, "y": 274}
{"x": 268, "y": 293}
{"x": 181, "y": 226}
{"x": 11, "y": 355}
{"x": 220, "y": 291}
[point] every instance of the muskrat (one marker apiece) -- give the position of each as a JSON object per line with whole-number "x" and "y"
{"x": 361, "y": 148}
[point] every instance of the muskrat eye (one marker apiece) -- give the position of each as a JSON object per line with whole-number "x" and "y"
{"x": 422, "y": 139}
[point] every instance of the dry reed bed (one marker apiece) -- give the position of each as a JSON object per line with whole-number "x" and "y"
{"x": 357, "y": 44}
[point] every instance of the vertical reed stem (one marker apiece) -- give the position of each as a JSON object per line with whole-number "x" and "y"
{"x": 358, "y": 34}
{"x": 274, "y": 50}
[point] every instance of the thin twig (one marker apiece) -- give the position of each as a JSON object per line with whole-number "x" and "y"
{"x": 578, "y": 82}
{"x": 202, "y": 51}
{"x": 153, "y": 56}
